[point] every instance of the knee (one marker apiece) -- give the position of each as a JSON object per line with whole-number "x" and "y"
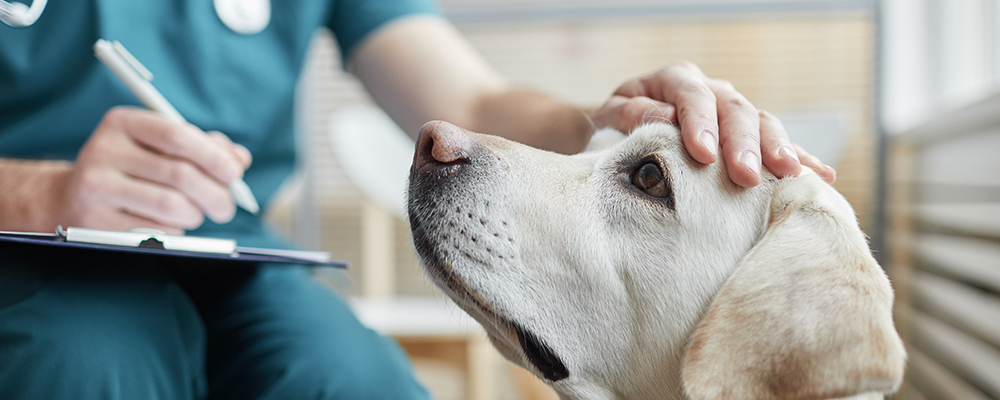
{"x": 372, "y": 368}
{"x": 311, "y": 346}
{"x": 123, "y": 320}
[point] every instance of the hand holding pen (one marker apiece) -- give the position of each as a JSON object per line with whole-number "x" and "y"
{"x": 138, "y": 79}
{"x": 142, "y": 169}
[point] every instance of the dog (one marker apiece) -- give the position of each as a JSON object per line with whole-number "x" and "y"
{"x": 631, "y": 271}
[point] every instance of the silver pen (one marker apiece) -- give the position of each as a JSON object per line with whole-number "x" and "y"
{"x": 137, "y": 78}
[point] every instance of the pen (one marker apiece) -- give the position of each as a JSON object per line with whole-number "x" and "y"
{"x": 137, "y": 78}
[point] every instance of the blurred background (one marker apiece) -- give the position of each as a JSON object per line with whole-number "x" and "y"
{"x": 899, "y": 95}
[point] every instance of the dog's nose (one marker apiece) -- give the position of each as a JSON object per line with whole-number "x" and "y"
{"x": 441, "y": 143}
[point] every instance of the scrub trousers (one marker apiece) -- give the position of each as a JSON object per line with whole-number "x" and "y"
{"x": 76, "y": 328}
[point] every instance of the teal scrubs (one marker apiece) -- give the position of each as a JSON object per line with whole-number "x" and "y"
{"x": 119, "y": 327}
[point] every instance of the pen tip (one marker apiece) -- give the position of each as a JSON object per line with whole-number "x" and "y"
{"x": 243, "y": 196}
{"x": 252, "y": 207}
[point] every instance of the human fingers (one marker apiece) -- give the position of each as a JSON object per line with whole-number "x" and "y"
{"x": 242, "y": 153}
{"x": 634, "y": 87}
{"x": 119, "y": 220}
{"x": 684, "y": 86}
{"x": 97, "y": 190}
{"x": 739, "y": 133}
{"x": 179, "y": 140}
{"x": 209, "y": 195}
{"x": 779, "y": 155}
{"x": 129, "y": 222}
{"x": 628, "y": 113}
{"x": 824, "y": 171}
{"x": 155, "y": 202}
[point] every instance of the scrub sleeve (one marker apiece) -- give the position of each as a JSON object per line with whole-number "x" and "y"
{"x": 122, "y": 327}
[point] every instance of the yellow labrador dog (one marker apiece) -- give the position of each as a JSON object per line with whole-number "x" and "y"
{"x": 631, "y": 271}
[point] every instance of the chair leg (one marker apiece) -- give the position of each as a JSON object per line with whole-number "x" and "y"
{"x": 480, "y": 369}
{"x": 378, "y": 261}
{"x": 529, "y": 386}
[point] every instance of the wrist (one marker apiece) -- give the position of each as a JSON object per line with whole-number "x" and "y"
{"x": 581, "y": 121}
{"x": 35, "y": 192}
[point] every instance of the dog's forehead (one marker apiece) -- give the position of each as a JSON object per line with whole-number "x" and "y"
{"x": 647, "y": 139}
{"x": 612, "y": 150}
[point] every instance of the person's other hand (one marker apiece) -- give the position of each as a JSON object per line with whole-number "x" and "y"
{"x": 709, "y": 112}
{"x": 139, "y": 169}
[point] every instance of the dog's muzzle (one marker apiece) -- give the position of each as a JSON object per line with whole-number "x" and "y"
{"x": 452, "y": 226}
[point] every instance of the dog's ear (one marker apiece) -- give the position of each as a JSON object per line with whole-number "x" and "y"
{"x": 806, "y": 315}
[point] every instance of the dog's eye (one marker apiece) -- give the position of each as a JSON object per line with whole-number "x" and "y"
{"x": 649, "y": 178}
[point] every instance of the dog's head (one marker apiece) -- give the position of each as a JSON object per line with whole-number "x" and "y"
{"x": 632, "y": 271}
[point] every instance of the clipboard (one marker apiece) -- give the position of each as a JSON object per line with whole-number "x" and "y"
{"x": 159, "y": 244}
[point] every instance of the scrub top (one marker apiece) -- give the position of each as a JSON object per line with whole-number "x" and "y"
{"x": 54, "y": 92}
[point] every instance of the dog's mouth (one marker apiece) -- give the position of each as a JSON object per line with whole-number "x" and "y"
{"x": 438, "y": 263}
{"x": 538, "y": 353}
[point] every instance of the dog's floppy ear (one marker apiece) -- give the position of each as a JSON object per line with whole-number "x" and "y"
{"x": 806, "y": 315}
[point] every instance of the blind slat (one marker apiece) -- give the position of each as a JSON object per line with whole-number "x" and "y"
{"x": 965, "y": 308}
{"x": 935, "y": 382}
{"x": 970, "y": 218}
{"x": 928, "y": 192}
{"x": 969, "y": 159}
{"x": 971, "y": 260}
{"x": 969, "y": 358}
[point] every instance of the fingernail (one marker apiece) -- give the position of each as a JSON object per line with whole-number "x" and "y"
{"x": 751, "y": 160}
{"x": 244, "y": 152}
{"x": 787, "y": 152}
{"x": 707, "y": 139}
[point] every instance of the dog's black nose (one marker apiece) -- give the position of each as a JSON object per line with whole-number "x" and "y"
{"x": 441, "y": 143}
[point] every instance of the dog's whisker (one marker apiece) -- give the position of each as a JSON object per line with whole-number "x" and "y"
{"x": 593, "y": 126}
{"x": 648, "y": 116}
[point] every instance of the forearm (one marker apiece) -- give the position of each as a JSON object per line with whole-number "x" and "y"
{"x": 420, "y": 69}
{"x": 30, "y": 192}
{"x": 533, "y": 119}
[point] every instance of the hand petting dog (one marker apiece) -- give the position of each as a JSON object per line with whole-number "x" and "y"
{"x": 709, "y": 112}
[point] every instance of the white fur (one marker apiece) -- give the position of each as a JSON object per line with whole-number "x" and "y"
{"x": 619, "y": 286}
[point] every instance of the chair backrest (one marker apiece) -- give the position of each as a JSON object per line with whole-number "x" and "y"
{"x": 374, "y": 152}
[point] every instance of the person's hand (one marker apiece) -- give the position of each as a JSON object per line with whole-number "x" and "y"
{"x": 709, "y": 112}
{"x": 139, "y": 169}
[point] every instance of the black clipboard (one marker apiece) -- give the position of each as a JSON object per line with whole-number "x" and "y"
{"x": 249, "y": 256}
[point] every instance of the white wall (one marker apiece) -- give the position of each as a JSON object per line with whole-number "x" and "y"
{"x": 938, "y": 55}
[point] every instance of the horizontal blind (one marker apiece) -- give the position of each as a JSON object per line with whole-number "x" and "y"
{"x": 946, "y": 236}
